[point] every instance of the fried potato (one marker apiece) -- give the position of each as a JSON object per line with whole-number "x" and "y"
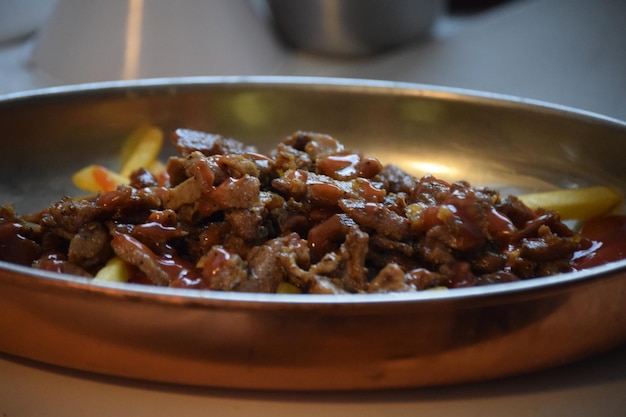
{"x": 115, "y": 270}
{"x": 96, "y": 178}
{"x": 287, "y": 288}
{"x": 141, "y": 149}
{"x": 575, "y": 204}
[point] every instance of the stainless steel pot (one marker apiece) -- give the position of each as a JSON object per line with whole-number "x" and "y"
{"x": 353, "y": 27}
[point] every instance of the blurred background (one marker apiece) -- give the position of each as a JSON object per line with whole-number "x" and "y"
{"x": 569, "y": 52}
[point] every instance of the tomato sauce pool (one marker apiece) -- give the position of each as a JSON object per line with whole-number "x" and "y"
{"x": 609, "y": 236}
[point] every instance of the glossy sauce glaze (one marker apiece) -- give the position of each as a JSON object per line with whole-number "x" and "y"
{"x": 310, "y": 214}
{"x": 608, "y": 236}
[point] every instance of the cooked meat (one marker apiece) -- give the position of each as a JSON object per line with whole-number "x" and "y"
{"x": 18, "y": 239}
{"x": 143, "y": 178}
{"x": 223, "y": 270}
{"x": 266, "y": 272}
{"x": 91, "y": 246}
{"x": 188, "y": 141}
{"x": 310, "y": 214}
{"x": 68, "y": 216}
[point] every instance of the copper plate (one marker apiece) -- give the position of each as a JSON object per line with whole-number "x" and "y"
{"x": 296, "y": 342}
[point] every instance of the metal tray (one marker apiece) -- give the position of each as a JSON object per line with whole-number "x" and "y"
{"x": 308, "y": 342}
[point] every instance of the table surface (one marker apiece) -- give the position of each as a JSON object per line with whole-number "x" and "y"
{"x": 567, "y": 52}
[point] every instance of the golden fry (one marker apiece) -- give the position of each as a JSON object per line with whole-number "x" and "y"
{"x": 287, "y": 288}
{"x": 576, "y": 204}
{"x": 131, "y": 142}
{"x": 115, "y": 270}
{"x": 96, "y": 178}
{"x": 141, "y": 149}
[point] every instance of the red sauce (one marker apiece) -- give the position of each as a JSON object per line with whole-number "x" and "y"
{"x": 326, "y": 237}
{"x": 608, "y": 234}
{"x": 323, "y": 193}
{"x": 53, "y": 262}
{"x": 216, "y": 198}
{"x": 155, "y": 231}
{"x": 174, "y": 267}
{"x": 182, "y": 273}
{"x": 369, "y": 192}
{"x": 15, "y": 246}
{"x": 343, "y": 167}
{"x": 498, "y": 224}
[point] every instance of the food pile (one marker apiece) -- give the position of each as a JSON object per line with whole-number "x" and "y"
{"x": 308, "y": 217}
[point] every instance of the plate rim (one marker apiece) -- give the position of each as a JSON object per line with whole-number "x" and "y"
{"x": 381, "y": 86}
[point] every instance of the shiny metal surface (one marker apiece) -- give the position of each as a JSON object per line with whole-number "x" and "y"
{"x": 295, "y": 342}
{"x": 353, "y": 27}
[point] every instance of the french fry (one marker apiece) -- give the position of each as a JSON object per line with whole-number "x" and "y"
{"x": 575, "y": 204}
{"x": 287, "y": 288}
{"x": 96, "y": 178}
{"x": 141, "y": 149}
{"x": 115, "y": 270}
{"x": 131, "y": 142}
